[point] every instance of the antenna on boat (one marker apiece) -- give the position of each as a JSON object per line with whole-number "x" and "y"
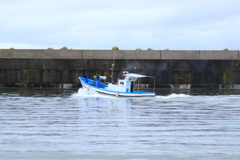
{"x": 113, "y": 63}
{"x": 112, "y": 71}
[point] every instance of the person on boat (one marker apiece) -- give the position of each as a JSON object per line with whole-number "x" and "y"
{"x": 97, "y": 80}
{"x": 86, "y": 76}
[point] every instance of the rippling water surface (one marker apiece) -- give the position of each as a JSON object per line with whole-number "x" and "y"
{"x": 49, "y": 124}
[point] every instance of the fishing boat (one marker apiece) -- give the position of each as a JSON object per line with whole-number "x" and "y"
{"x": 125, "y": 87}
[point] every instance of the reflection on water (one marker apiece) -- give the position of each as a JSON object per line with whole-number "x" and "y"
{"x": 86, "y": 125}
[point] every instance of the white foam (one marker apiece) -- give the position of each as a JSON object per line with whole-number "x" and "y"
{"x": 172, "y": 96}
{"x": 83, "y": 92}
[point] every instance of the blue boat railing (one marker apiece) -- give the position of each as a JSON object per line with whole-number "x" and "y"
{"x": 94, "y": 83}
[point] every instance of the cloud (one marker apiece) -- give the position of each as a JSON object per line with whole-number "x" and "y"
{"x": 128, "y": 24}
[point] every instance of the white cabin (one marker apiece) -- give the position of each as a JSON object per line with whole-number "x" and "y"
{"x": 126, "y": 84}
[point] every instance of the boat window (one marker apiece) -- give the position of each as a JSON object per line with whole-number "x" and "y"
{"x": 122, "y": 83}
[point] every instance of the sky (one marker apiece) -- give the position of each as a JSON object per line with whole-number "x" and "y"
{"x": 127, "y": 24}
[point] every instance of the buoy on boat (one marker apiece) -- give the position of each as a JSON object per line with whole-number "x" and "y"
{"x": 117, "y": 94}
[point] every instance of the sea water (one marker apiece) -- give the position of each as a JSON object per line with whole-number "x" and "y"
{"x": 71, "y": 124}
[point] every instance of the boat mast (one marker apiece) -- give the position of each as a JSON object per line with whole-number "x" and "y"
{"x": 113, "y": 63}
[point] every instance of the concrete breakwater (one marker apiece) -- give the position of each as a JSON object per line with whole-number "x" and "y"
{"x": 173, "y": 69}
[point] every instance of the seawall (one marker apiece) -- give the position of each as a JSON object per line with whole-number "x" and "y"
{"x": 173, "y": 69}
